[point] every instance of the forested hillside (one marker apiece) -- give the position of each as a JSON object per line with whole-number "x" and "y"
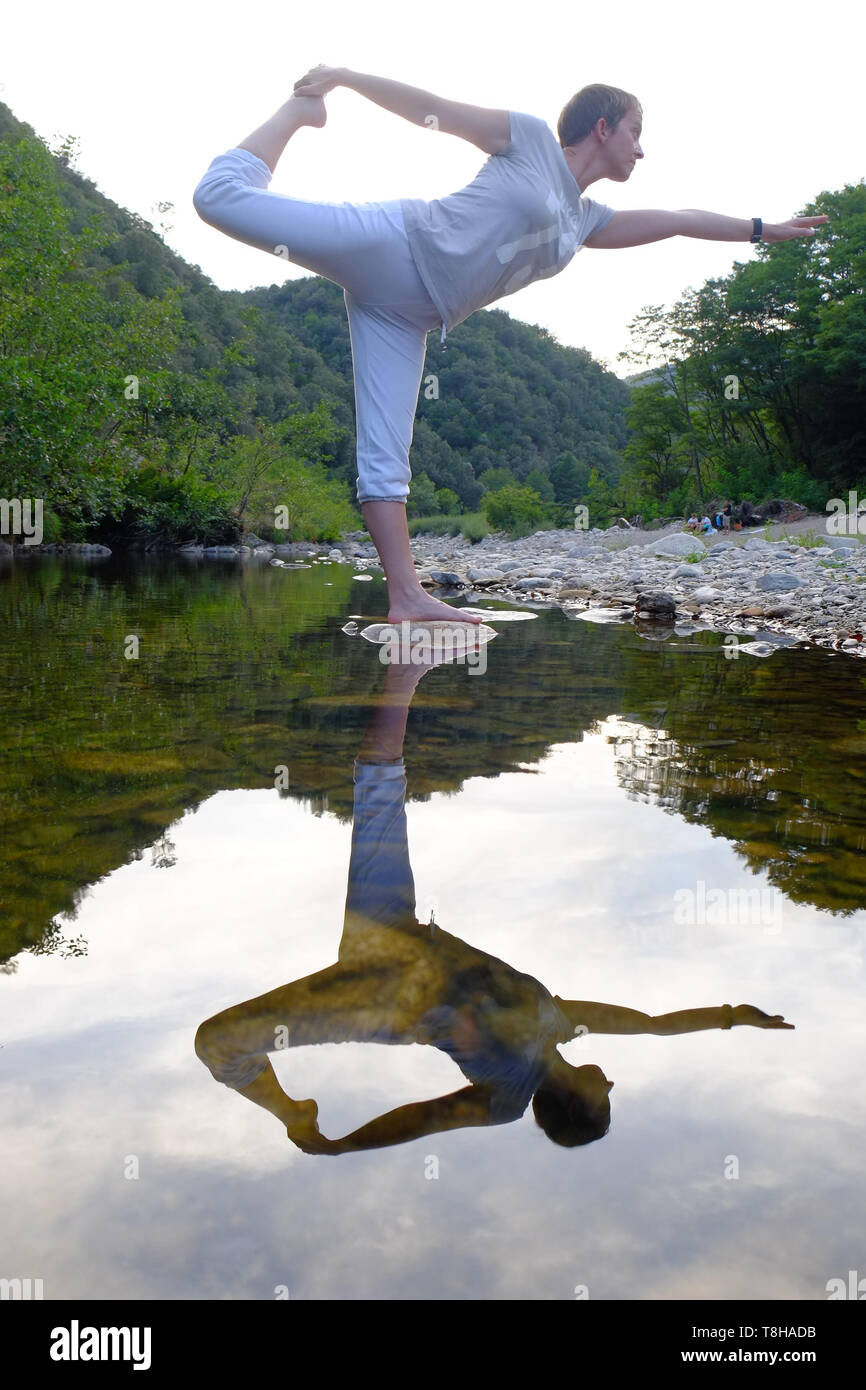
{"x": 139, "y": 398}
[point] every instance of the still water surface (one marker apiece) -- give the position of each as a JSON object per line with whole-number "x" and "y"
{"x": 645, "y": 825}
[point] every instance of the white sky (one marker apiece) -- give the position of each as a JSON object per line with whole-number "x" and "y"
{"x": 748, "y": 110}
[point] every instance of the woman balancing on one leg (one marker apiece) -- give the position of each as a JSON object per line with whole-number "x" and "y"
{"x": 407, "y": 265}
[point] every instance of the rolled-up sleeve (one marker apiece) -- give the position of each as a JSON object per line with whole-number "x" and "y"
{"x": 233, "y": 196}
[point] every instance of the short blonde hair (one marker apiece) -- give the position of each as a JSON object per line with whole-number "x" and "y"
{"x": 580, "y": 115}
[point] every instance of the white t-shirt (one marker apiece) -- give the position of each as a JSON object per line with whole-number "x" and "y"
{"x": 522, "y": 218}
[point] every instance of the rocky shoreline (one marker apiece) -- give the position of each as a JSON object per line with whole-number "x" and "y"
{"x": 672, "y": 581}
{"x": 770, "y": 592}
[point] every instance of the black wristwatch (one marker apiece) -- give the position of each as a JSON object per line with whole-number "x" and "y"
{"x": 757, "y": 229}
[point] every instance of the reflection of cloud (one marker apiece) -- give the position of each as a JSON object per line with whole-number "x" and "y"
{"x": 552, "y": 873}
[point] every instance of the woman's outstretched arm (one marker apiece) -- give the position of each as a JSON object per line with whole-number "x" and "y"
{"x": 640, "y": 226}
{"x": 487, "y": 128}
{"x": 586, "y": 1016}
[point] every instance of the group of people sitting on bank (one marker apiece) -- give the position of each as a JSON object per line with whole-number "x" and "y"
{"x": 723, "y": 519}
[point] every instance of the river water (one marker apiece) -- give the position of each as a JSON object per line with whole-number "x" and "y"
{"x": 647, "y": 825}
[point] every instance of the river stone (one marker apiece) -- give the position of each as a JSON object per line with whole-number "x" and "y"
{"x": 534, "y": 582}
{"x": 448, "y": 578}
{"x": 756, "y": 543}
{"x": 677, "y": 544}
{"x": 706, "y": 594}
{"x": 575, "y": 591}
{"x": 839, "y": 542}
{"x": 486, "y": 576}
{"x": 775, "y": 583}
{"x": 220, "y": 552}
{"x": 659, "y": 605}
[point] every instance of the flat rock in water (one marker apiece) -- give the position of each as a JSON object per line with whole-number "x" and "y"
{"x": 500, "y": 615}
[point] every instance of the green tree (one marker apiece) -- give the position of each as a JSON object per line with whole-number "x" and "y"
{"x": 422, "y": 499}
{"x": 540, "y": 482}
{"x": 654, "y": 453}
{"x": 513, "y": 508}
{"x": 69, "y": 349}
{"x": 447, "y": 501}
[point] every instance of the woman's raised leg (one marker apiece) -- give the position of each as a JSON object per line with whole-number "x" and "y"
{"x": 360, "y": 247}
{"x": 269, "y": 141}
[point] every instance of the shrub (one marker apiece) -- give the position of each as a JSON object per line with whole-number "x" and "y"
{"x": 175, "y": 509}
{"x": 474, "y": 526}
{"x": 513, "y": 509}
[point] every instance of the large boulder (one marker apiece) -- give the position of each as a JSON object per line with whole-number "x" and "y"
{"x": 679, "y": 543}
{"x": 779, "y": 509}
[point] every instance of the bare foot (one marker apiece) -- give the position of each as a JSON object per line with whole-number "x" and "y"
{"x": 424, "y": 608}
{"x": 311, "y": 110}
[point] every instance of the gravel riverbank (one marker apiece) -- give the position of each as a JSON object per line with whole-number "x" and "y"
{"x": 741, "y": 582}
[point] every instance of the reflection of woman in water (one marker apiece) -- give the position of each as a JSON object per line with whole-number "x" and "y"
{"x": 397, "y": 980}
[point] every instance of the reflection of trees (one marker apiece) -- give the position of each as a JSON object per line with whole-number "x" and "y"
{"x": 241, "y": 672}
{"x": 780, "y": 783}
{"x": 53, "y": 942}
{"x": 162, "y": 853}
{"x": 647, "y": 765}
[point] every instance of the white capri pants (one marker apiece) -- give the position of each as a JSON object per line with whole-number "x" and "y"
{"x": 364, "y": 248}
